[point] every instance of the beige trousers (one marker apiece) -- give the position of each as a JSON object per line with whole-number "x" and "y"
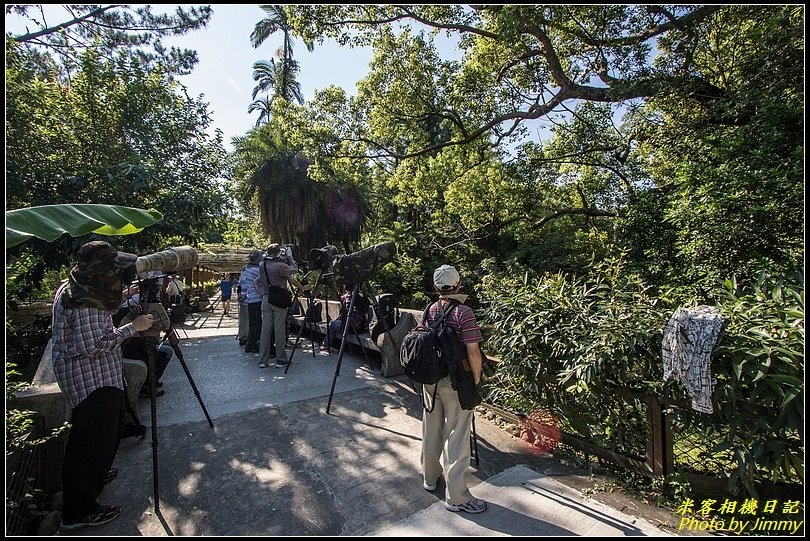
{"x": 446, "y": 441}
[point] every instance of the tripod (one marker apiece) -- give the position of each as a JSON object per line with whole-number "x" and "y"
{"x": 345, "y": 331}
{"x": 313, "y": 328}
{"x": 153, "y": 306}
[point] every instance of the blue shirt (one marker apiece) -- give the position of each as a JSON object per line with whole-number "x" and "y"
{"x": 227, "y": 287}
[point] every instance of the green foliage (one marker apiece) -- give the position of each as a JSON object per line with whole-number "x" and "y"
{"x": 571, "y": 345}
{"x": 110, "y": 29}
{"x": 48, "y": 222}
{"x": 302, "y": 195}
{"x": 759, "y": 396}
{"x": 118, "y": 135}
{"x": 20, "y": 423}
{"x": 576, "y": 346}
{"x": 730, "y": 171}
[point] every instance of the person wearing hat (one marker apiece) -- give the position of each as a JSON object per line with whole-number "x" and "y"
{"x": 446, "y": 427}
{"x": 88, "y": 365}
{"x": 277, "y": 269}
{"x": 174, "y": 290}
{"x": 253, "y": 302}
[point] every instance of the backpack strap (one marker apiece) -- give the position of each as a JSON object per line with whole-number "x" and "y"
{"x": 453, "y": 304}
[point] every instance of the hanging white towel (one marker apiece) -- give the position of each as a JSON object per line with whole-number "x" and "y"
{"x": 686, "y": 349}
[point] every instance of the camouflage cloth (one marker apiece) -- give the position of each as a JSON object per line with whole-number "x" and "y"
{"x": 95, "y": 280}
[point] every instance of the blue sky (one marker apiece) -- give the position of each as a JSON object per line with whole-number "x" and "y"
{"x": 225, "y": 70}
{"x": 224, "y": 74}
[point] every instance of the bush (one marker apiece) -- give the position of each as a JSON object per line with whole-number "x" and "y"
{"x": 576, "y": 346}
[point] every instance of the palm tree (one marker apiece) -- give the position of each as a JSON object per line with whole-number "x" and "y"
{"x": 278, "y": 76}
{"x": 263, "y": 105}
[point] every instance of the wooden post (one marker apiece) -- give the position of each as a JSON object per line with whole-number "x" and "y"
{"x": 655, "y": 458}
{"x": 659, "y": 438}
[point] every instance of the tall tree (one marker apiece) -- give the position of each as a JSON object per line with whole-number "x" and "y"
{"x": 711, "y": 136}
{"x": 110, "y": 29}
{"x": 280, "y": 77}
{"x": 524, "y": 63}
{"x": 120, "y": 134}
{"x": 284, "y": 177}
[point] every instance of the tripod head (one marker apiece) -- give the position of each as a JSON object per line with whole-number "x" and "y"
{"x": 148, "y": 302}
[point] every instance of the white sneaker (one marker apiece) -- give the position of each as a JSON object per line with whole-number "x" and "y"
{"x": 427, "y": 486}
{"x": 473, "y": 506}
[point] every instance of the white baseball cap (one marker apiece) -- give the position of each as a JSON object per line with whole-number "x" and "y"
{"x": 446, "y": 277}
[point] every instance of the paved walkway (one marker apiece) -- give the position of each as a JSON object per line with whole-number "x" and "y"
{"x": 275, "y": 463}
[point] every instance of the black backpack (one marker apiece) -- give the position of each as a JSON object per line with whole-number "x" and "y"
{"x": 314, "y": 312}
{"x": 427, "y": 351}
{"x": 386, "y": 314}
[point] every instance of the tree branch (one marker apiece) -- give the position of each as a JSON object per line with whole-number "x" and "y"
{"x": 57, "y": 28}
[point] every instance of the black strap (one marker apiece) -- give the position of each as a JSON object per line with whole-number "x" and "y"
{"x": 266, "y": 277}
{"x": 263, "y": 265}
{"x": 436, "y": 323}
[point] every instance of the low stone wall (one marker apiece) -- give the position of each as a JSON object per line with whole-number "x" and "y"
{"x": 45, "y": 399}
{"x": 387, "y": 344}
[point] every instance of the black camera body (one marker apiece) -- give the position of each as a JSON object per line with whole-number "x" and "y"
{"x": 487, "y": 366}
{"x": 321, "y": 258}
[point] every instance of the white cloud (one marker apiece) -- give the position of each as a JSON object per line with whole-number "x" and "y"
{"x": 235, "y": 85}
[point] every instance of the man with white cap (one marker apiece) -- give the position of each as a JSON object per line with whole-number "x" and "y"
{"x": 88, "y": 365}
{"x": 446, "y": 427}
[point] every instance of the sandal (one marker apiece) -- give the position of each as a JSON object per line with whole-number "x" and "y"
{"x": 102, "y": 515}
{"x": 111, "y": 475}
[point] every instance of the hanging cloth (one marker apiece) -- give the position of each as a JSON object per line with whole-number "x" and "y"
{"x": 686, "y": 349}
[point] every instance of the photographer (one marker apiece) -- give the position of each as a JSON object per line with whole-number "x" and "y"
{"x": 174, "y": 290}
{"x": 253, "y": 302}
{"x": 88, "y": 365}
{"x": 135, "y": 347}
{"x": 277, "y": 270}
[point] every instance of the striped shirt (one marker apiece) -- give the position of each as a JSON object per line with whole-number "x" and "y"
{"x": 461, "y": 319}
{"x": 277, "y": 272}
{"x": 249, "y": 273}
{"x": 86, "y": 350}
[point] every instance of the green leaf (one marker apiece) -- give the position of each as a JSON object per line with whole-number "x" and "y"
{"x": 49, "y": 222}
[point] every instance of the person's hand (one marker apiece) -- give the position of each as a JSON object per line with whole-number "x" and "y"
{"x": 143, "y": 323}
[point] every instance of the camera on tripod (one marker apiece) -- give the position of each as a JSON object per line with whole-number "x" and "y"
{"x": 169, "y": 260}
{"x": 361, "y": 265}
{"x": 321, "y": 258}
{"x": 151, "y": 269}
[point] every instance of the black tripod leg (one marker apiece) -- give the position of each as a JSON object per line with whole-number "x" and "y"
{"x": 342, "y": 348}
{"x": 179, "y": 353}
{"x": 295, "y": 346}
{"x": 474, "y": 443}
{"x": 151, "y": 344}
